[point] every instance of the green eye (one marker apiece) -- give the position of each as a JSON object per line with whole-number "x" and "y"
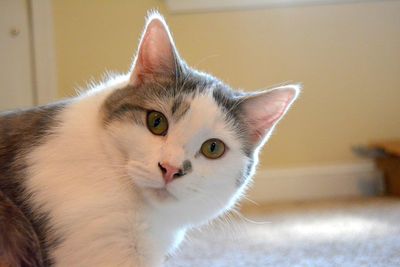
{"x": 157, "y": 123}
{"x": 213, "y": 148}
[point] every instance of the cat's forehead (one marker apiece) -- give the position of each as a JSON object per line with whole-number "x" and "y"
{"x": 192, "y": 111}
{"x": 174, "y": 96}
{"x": 203, "y": 120}
{"x": 201, "y": 111}
{"x": 199, "y": 100}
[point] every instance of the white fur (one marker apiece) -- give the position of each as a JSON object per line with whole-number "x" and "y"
{"x": 102, "y": 204}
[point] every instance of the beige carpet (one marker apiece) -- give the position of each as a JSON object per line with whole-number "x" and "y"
{"x": 333, "y": 233}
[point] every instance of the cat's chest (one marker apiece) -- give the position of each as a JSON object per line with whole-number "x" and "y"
{"x": 122, "y": 239}
{"x": 97, "y": 223}
{"x": 95, "y": 212}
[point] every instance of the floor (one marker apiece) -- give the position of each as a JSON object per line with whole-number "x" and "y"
{"x": 353, "y": 232}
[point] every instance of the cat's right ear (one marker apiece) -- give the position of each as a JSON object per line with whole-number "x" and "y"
{"x": 157, "y": 56}
{"x": 263, "y": 110}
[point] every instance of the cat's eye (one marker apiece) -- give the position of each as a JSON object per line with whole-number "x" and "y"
{"x": 157, "y": 123}
{"x": 213, "y": 148}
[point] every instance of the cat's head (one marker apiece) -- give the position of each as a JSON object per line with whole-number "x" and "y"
{"x": 189, "y": 142}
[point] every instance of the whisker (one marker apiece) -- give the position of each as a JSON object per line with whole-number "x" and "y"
{"x": 251, "y": 200}
{"x": 241, "y": 216}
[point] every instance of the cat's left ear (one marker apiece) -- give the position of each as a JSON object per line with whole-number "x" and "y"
{"x": 263, "y": 110}
{"x": 157, "y": 56}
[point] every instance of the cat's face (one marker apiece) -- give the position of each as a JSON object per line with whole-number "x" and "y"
{"x": 189, "y": 142}
{"x": 200, "y": 148}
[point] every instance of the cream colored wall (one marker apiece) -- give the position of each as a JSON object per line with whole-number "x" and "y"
{"x": 347, "y": 56}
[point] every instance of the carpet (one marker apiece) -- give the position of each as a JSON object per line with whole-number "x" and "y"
{"x": 332, "y": 233}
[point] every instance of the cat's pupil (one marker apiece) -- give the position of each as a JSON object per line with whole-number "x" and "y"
{"x": 157, "y": 122}
{"x": 213, "y": 146}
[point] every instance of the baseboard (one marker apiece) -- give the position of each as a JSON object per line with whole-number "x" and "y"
{"x": 319, "y": 182}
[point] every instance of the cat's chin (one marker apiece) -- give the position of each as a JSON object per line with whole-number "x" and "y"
{"x": 160, "y": 194}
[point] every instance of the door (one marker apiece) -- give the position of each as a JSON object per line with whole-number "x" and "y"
{"x": 16, "y": 75}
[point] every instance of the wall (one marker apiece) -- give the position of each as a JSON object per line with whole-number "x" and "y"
{"x": 347, "y": 56}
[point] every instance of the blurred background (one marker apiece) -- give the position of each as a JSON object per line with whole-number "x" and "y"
{"x": 345, "y": 53}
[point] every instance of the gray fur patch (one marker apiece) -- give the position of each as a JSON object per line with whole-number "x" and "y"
{"x": 19, "y": 244}
{"x": 179, "y": 108}
{"x": 129, "y": 112}
{"x": 187, "y": 166}
{"x": 20, "y": 132}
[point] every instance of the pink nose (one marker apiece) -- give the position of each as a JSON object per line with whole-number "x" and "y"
{"x": 169, "y": 172}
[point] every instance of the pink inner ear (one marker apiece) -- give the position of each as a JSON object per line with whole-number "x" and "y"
{"x": 264, "y": 123}
{"x": 156, "y": 52}
{"x": 265, "y": 110}
{"x": 157, "y": 46}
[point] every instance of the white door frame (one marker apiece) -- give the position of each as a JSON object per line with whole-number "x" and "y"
{"x": 43, "y": 51}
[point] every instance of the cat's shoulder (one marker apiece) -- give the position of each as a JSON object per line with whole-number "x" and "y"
{"x": 24, "y": 126}
{"x": 19, "y": 244}
{"x": 20, "y": 118}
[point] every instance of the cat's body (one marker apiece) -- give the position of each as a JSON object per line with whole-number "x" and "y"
{"x": 102, "y": 222}
{"x": 101, "y": 187}
{"x": 20, "y": 132}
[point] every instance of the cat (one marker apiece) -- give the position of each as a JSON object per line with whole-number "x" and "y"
{"x": 118, "y": 174}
